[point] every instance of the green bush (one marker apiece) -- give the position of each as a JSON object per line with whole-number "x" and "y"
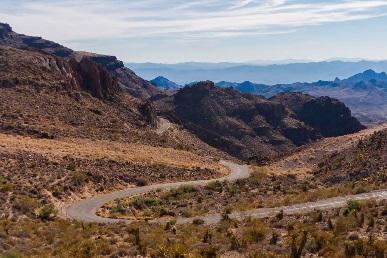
{"x": 181, "y": 193}
{"x": 353, "y": 205}
{"x": 46, "y": 212}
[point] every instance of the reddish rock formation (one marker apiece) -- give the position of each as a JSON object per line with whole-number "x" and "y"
{"x": 94, "y": 78}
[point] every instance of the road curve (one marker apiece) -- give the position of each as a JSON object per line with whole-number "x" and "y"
{"x": 85, "y": 210}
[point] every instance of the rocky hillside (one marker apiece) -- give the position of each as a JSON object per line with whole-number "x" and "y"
{"x": 253, "y": 127}
{"x": 366, "y": 161}
{"x": 126, "y": 78}
{"x": 48, "y": 96}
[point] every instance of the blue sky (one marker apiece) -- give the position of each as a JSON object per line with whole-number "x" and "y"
{"x": 171, "y": 31}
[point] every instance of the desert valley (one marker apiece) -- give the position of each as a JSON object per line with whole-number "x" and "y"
{"x": 96, "y": 161}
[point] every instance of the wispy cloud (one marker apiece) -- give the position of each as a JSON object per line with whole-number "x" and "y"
{"x": 101, "y": 19}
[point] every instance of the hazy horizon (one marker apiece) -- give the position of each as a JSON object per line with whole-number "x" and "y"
{"x": 265, "y": 62}
{"x": 175, "y": 31}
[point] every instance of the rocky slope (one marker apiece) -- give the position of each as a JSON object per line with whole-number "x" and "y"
{"x": 365, "y": 161}
{"x": 252, "y": 127}
{"x": 43, "y": 94}
{"x": 126, "y": 78}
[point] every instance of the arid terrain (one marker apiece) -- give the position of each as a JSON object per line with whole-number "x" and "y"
{"x": 85, "y": 141}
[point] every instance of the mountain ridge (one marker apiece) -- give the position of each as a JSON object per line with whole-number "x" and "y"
{"x": 127, "y": 79}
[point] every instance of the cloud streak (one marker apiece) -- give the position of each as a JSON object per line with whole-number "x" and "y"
{"x": 100, "y": 19}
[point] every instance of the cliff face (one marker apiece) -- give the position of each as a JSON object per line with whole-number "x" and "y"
{"x": 252, "y": 127}
{"x": 95, "y": 79}
{"x": 126, "y": 78}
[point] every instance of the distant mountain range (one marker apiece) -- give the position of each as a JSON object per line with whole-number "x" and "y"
{"x": 184, "y": 73}
{"x": 365, "y": 93}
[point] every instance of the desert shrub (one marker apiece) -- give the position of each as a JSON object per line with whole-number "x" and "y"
{"x": 341, "y": 226}
{"x": 46, "y": 212}
{"x": 280, "y": 215}
{"x": 25, "y": 204}
{"x": 380, "y": 248}
{"x": 172, "y": 249}
{"x": 187, "y": 213}
{"x": 255, "y": 232}
{"x": 209, "y": 252}
{"x": 198, "y": 222}
{"x": 11, "y": 254}
{"x": 227, "y": 210}
{"x": 215, "y": 186}
{"x": 258, "y": 175}
{"x": 353, "y": 205}
{"x": 317, "y": 216}
{"x": 72, "y": 166}
{"x": 321, "y": 240}
{"x": 84, "y": 249}
{"x": 5, "y": 186}
{"x": 298, "y": 242}
{"x": 274, "y": 239}
{"x": 141, "y": 182}
{"x": 145, "y": 202}
{"x": 79, "y": 178}
{"x": 181, "y": 193}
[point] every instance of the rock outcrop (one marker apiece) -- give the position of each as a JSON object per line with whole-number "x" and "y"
{"x": 94, "y": 78}
{"x": 326, "y": 115}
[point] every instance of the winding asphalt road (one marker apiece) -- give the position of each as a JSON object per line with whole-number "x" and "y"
{"x": 86, "y": 210}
